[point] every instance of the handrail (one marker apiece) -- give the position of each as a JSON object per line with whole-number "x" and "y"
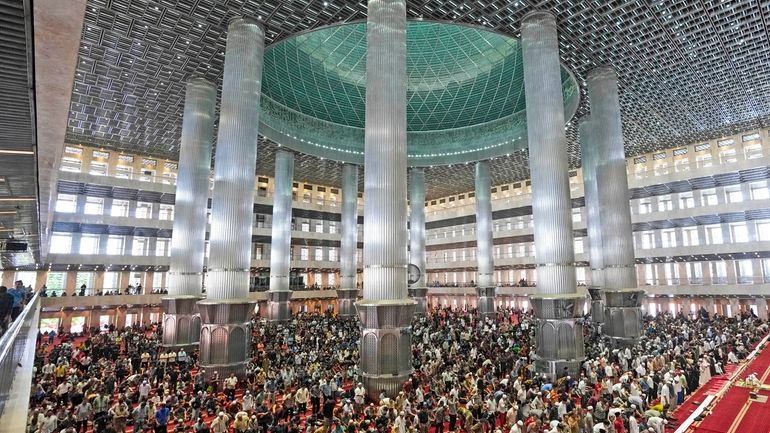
{"x": 14, "y": 346}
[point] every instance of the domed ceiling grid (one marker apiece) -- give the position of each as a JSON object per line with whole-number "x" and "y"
{"x": 689, "y": 70}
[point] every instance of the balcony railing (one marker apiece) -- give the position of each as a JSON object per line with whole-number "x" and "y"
{"x": 700, "y": 281}
{"x": 17, "y": 350}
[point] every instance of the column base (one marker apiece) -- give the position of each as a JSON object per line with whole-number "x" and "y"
{"x": 486, "y": 301}
{"x": 225, "y": 336}
{"x": 386, "y": 345}
{"x": 597, "y": 303}
{"x": 559, "y": 348}
{"x": 279, "y": 306}
{"x": 181, "y": 322}
{"x": 346, "y": 299}
{"x": 420, "y": 295}
{"x": 623, "y": 315}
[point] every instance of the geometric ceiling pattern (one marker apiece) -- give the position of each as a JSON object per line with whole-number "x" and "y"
{"x": 689, "y": 70}
{"x": 464, "y": 93}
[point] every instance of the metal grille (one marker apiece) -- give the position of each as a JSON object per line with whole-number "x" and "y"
{"x": 674, "y": 60}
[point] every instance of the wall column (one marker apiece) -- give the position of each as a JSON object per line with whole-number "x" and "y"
{"x": 385, "y": 311}
{"x": 557, "y": 305}
{"x": 279, "y": 295}
{"x": 623, "y": 312}
{"x": 418, "y": 290}
{"x": 348, "y": 291}
{"x": 181, "y": 322}
{"x": 590, "y": 157}
{"x": 227, "y": 309}
{"x": 485, "y": 281}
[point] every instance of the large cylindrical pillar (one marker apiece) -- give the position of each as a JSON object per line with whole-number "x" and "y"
{"x": 279, "y": 295}
{"x": 385, "y": 311}
{"x": 559, "y": 337}
{"x": 227, "y": 309}
{"x": 348, "y": 291}
{"x": 589, "y": 152}
{"x": 417, "y": 290}
{"x": 623, "y": 316}
{"x": 485, "y": 285}
{"x": 181, "y": 323}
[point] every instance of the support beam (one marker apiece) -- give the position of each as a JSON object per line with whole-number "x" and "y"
{"x": 385, "y": 311}
{"x": 181, "y": 322}
{"x": 226, "y": 311}
{"x": 557, "y": 306}
{"x": 279, "y": 295}
{"x": 348, "y": 291}
{"x": 418, "y": 290}
{"x": 485, "y": 285}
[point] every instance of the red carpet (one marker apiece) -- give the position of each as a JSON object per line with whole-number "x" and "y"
{"x": 733, "y": 413}
{"x": 692, "y": 401}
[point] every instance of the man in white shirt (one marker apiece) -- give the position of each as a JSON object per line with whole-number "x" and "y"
{"x": 230, "y": 384}
{"x": 656, "y": 423}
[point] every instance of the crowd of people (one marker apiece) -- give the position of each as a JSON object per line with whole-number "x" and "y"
{"x": 470, "y": 376}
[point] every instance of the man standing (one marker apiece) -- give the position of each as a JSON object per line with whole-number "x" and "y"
{"x": 17, "y": 293}
{"x": 6, "y": 304}
{"x": 82, "y": 413}
{"x": 230, "y": 384}
{"x": 161, "y": 418}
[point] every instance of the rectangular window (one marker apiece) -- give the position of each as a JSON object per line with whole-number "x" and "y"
{"x": 167, "y": 212}
{"x": 709, "y": 197}
{"x": 763, "y": 230}
{"x": 143, "y": 210}
{"x": 304, "y": 254}
{"x": 115, "y": 245}
{"x": 55, "y": 282}
{"x": 332, "y": 228}
{"x": 319, "y": 254}
{"x": 727, "y": 156}
{"x": 333, "y": 255}
{"x": 111, "y": 280}
{"x": 67, "y": 203}
{"x": 98, "y": 169}
{"x": 89, "y": 244}
{"x": 733, "y": 194}
{"x": 139, "y": 246}
{"x": 665, "y": 203}
{"x": 645, "y": 206}
{"x": 162, "y": 247}
{"x": 669, "y": 238}
{"x": 726, "y": 142}
{"x": 739, "y": 232}
{"x": 750, "y": 137}
{"x": 119, "y": 208}
{"x": 72, "y": 165}
{"x": 94, "y": 206}
{"x": 686, "y": 200}
{"x": 61, "y": 243}
{"x": 578, "y": 245}
{"x": 751, "y": 151}
{"x": 703, "y": 146}
{"x": 124, "y": 172}
{"x": 648, "y": 240}
{"x": 84, "y": 278}
{"x": 305, "y": 226}
{"x": 576, "y": 215}
{"x": 714, "y": 234}
{"x": 319, "y": 227}
{"x": 759, "y": 191}
{"x": 745, "y": 272}
{"x": 690, "y": 236}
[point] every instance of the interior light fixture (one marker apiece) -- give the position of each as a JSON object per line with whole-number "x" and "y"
{"x": 7, "y": 212}
{"x": 16, "y": 152}
{"x": 19, "y": 198}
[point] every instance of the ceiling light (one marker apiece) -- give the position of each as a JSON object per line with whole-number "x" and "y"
{"x": 16, "y": 152}
{"x": 7, "y": 212}
{"x": 18, "y": 198}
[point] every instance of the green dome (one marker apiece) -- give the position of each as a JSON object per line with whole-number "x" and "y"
{"x": 465, "y": 93}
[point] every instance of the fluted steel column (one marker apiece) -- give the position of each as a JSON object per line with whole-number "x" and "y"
{"x": 227, "y": 309}
{"x": 418, "y": 290}
{"x": 386, "y": 311}
{"x": 590, "y": 154}
{"x": 181, "y": 323}
{"x": 623, "y": 317}
{"x": 279, "y": 295}
{"x": 485, "y": 285}
{"x": 559, "y": 338}
{"x": 348, "y": 291}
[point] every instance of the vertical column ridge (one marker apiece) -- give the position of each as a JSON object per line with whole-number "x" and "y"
{"x": 235, "y": 163}
{"x": 418, "y": 290}
{"x": 279, "y": 294}
{"x": 348, "y": 292}
{"x": 188, "y": 238}
{"x": 559, "y": 347}
{"x": 485, "y": 287}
